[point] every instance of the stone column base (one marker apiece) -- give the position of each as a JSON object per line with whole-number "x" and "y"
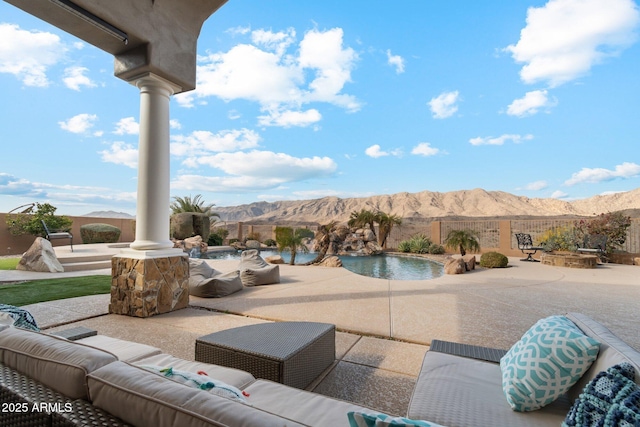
{"x": 145, "y": 285}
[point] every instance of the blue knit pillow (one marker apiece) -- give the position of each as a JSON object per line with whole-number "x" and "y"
{"x": 611, "y": 398}
{"x": 549, "y": 359}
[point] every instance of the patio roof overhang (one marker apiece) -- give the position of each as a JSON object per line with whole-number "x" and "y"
{"x": 145, "y": 36}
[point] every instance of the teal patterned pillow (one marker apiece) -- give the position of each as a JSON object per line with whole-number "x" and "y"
{"x": 549, "y": 358}
{"x": 366, "y": 419}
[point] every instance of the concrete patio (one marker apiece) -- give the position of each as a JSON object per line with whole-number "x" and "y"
{"x": 385, "y": 326}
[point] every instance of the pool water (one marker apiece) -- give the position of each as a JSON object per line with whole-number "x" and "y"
{"x": 379, "y": 266}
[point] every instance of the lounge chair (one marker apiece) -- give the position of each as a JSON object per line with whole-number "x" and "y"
{"x": 57, "y": 234}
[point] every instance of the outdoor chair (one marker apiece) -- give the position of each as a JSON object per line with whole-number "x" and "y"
{"x": 594, "y": 244}
{"x": 525, "y": 244}
{"x": 57, "y": 234}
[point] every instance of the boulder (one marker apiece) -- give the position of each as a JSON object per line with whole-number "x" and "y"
{"x": 454, "y": 266}
{"x": 274, "y": 259}
{"x": 636, "y": 261}
{"x": 187, "y": 224}
{"x": 331, "y": 261}
{"x": 252, "y": 244}
{"x": 195, "y": 242}
{"x": 469, "y": 262}
{"x": 342, "y": 231}
{"x": 40, "y": 257}
{"x": 369, "y": 236}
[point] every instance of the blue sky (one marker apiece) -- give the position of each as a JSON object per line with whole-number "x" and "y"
{"x": 301, "y": 100}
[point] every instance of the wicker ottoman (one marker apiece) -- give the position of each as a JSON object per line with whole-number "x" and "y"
{"x": 291, "y": 353}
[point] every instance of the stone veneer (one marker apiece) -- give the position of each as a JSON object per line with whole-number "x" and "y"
{"x": 149, "y": 286}
{"x": 569, "y": 260}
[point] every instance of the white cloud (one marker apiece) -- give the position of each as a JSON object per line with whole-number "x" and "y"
{"x": 74, "y": 78}
{"x": 290, "y": 118}
{"x": 425, "y": 149}
{"x": 530, "y": 103}
{"x": 489, "y": 140}
{"x": 80, "y": 123}
{"x": 558, "y": 194}
{"x": 395, "y": 61}
{"x": 127, "y": 126}
{"x": 175, "y": 124}
{"x": 121, "y": 154}
{"x": 443, "y": 105}
{"x": 202, "y": 142}
{"x": 595, "y": 175}
{"x": 536, "y": 185}
{"x": 28, "y": 54}
{"x": 279, "y": 78}
{"x": 564, "y": 38}
{"x": 254, "y": 170}
{"x": 375, "y": 151}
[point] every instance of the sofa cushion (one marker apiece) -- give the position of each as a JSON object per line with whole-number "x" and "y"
{"x": 199, "y": 267}
{"x": 611, "y": 398}
{"x": 235, "y": 377}
{"x": 215, "y": 287}
{"x": 127, "y": 351}
{"x": 145, "y": 399}
{"x": 455, "y": 390}
{"x": 55, "y": 362}
{"x": 200, "y": 381}
{"x": 613, "y": 351}
{"x": 367, "y": 419}
{"x": 303, "y": 406}
{"x": 549, "y": 358}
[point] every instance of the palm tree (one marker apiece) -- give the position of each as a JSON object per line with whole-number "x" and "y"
{"x": 362, "y": 219}
{"x": 385, "y": 224}
{"x": 195, "y": 204}
{"x": 465, "y": 240}
{"x": 323, "y": 241}
{"x": 287, "y": 238}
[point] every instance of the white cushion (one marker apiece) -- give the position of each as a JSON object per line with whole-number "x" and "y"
{"x": 549, "y": 358}
{"x": 235, "y": 377}
{"x": 127, "y": 351}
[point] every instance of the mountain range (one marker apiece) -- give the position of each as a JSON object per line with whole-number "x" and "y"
{"x": 433, "y": 205}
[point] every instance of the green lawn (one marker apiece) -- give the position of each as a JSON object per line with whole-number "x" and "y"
{"x": 53, "y": 289}
{"x": 9, "y": 263}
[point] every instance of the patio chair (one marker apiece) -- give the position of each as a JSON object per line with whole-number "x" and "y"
{"x": 57, "y": 234}
{"x": 525, "y": 244}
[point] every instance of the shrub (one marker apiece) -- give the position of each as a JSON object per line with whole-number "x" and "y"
{"x": 99, "y": 233}
{"x": 270, "y": 243}
{"x": 559, "y": 239}
{"x": 493, "y": 260}
{"x": 612, "y": 224}
{"x": 253, "y": 236}
{"x": 436, "y": 249}
{"x": 404, "y": 246}
{"x": 214, "y": 240}
{"x": 419, "y": 244}
{"x": 305, "y": 233}
{"x": 29, "y": 222}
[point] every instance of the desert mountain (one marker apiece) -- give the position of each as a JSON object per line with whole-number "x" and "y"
{"x": 109, "y": 214}
{"x": 429, "y": 204}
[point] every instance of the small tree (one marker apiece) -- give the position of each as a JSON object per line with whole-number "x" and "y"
{"x": 464, "y": 240}
{"x": 614, "y": 225}
{"x": 189, "y": 204}
{"x": 29, "y": 222}
{"x": 361, "y": 219}
{"x": 287, "y": 238}
{"x": 386, "y": 223}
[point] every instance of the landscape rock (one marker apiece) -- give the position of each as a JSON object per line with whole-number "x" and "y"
{"x": 454, "y": 266}
{"x": 369, "y": 236}
{"x": 469, "y": 262}
{"x": 253, "y": 244}
{"x": 636, "y": 261}
{"x": 274, "y": 259}
{"x": 40, "y": 257}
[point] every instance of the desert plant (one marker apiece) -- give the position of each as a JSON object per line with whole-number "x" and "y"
{"x": 419, "y": 244}
{"x": 189, "y": 204}
{"x": 362, "y": 219}
{"x": 254, "y": 235}
{"x": 436, "y": 249}
{"x": 404, "y": 246}
{"x": 493, "y": 260}
{"x": 464, "y": 240}
{"x": 386, "y": 223}
{"x": 614, "y": 225}
{"x": 99, "y": 233}
{"x": 558, "y": 239}
{"x": 29, "y": 222}
{"x": 270, "y": 243}
{"x": 217, "y": 236}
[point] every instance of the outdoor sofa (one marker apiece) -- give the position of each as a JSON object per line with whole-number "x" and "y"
{"x": 87, "y": 382}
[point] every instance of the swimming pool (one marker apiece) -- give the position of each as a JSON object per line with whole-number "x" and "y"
{"x": 379, "y": 266}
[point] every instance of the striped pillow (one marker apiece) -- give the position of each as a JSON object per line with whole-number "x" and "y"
{"x": 549, "y": 359}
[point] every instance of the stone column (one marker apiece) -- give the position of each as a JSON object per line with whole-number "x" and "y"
{"x": 151, "y": 277}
